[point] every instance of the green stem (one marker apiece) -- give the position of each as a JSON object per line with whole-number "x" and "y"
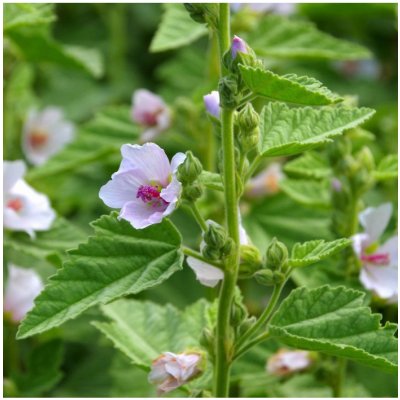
{"x": 224, "y": 335}
{"x": 264, "y": 317}
{"x": 341, "y": 371}
{"x": 198, "y": 217}
{"x": 251, "y": 343}
{"x": 253, "y": 166}
{"x": 195, "y": 254}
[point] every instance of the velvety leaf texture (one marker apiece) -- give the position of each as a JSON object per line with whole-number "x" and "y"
{"x": 335, "y": 321}
{"x": 387, "y": 168}
{"x": 288, "y": 88}
{"x": 176, "y": 29}
{"x": 309, "y": 165}
{"x": 315, "y": 250}
{"x": 307, "y": 192}
{"x": 286, "y": 131}
{"x": 98, "y": 138}
{"x": 280, "y": 37}
{"x": 116, "y": 261}
{"x": 144, "y": 330}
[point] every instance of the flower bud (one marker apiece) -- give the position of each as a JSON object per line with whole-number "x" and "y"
{"x": 238, "y": 46}
{"x": 246, "y": 325}
{"x": 190, "y": 169}
{"x": 338, "y": 149}
{"x": 265, "y": 277}
{"x": 248, "y": 119}
{"x": 227, "y": 248}
{"x": 277, "y": 254}
{"x": 192, "y": 192}
{"x": 211, "y": 102}
{"x": 196, "y": 12}
{"x": 207, "y": 340}
{"x": 228, "y": 90}
{"x": 250, "y": 261}
{"x": 211, "y": 252}
{"x": 366, "y": 158}
{"x": 238, "y": 311}
{"x": 203, "y": 13}
{"x": 215, "y": 236}
{"x": 278, "y": 277}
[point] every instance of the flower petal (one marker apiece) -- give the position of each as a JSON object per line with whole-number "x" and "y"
{"x": 12, "y": 172}
{"x": 140, "y": 215}
{"x": 207, "y": 274}
{"x": 375, "y": 219}
{"x": 176, "y": 161}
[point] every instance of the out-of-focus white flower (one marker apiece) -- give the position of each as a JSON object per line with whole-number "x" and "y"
{"x": 286, "y": 362}
{"x": 276, "y": 8}
{"x": 151, "y": 112}
{"x": 169, "y": 371}
{"x": 45, "y": 133}
{"x": 266, "y": 182}
{"x": 145, "y": 187}
{"x": 24, "y": 209}
{"x": 211, "y": 101}
{"x": 22, "y": 287}
{"x": 370, "y": 69}
{"x": 379, "y": 270}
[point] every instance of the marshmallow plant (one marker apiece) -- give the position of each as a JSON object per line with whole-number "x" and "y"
{"x": 137, "y": 245}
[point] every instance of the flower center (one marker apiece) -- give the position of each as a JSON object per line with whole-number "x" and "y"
{"x": 150, "y": 118}
{"x": 38, "y": 138}
{"x": 376, "y": 259}
{"x": 271, "y": 183}
{"x": 151, "y": 195}
{"x": 15, "y": 204}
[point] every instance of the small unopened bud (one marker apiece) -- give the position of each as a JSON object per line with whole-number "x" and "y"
{"x": 250, "y": 261}
{"x": 248, "y": 119}
{"x": 228, "y": 90}
{"x": 192, "y": 192}
{"x": 238, "y": 46}
{"x": 265, "y": 277}
{"x": 207, "y": 340}
{"x": 190, "y": 169}
{"x": 227, "y": 248}
{"x": 196, "y": 12}
{"x": 277, "y": 254}
{"x": 278, "y": 277}
{"x": 238, "y": 312}
{"x": 366, "y": 158}
{"x": 211, "y": 252}
{"x": 215, "y": 235}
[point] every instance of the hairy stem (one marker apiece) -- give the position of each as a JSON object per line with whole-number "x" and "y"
{"x": 197, "y": 216}
{"x": 195, "y": 254}
{"x": 251, "y": 343}
{"x": 224, "y": 337}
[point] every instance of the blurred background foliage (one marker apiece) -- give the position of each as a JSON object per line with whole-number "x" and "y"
{"x": 88, "y": 59}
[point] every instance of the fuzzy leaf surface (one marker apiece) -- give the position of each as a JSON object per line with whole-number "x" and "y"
{"x": 20, "y": 15}
{"x": 309, "y": 165}
{"x": 289, "y": 88}
{"x": 143, "y": 330}
{"x": 335, "y": 321}
{"x": 287, "y": 131}
{"x": 176, "y": 29}
{"x": 280, "y": 37}
{"x": 307, "y": 253}
{"x": 116, "y": 261}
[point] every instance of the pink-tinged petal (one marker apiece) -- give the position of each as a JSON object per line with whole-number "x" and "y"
{"x": 12, "y": 172}
{"x": 140, "y": 215}
{"x": 266, "y": 182}
{"x": 359, "y": 242}
{"x": 211, "y": 102}
{"x": 172, "y": 192}
{"x": 375, "y": 219}
{"x": 150, "y": 159}
{"x": 238, "y": 46}
{"x": 206, "y": 274}
{"x": 286, "y": 362}
{"x": 382, "y": 280}
{"x": 176, "y": 161}
{"x": 147, "y": 107}
{"x": 22, "y": 287}
{"x": 164, "y": 119}
{"x": 121, "y": 189}
{"x": 390, "y": 247}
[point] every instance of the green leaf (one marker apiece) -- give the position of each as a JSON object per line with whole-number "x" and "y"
{"x": 144, "y": 330}
{"x": 37, "y": 46}
{"x": 336, "y": 322}
{"x": 309, "y": 165}
{"x": 286, "y": 131}
{"x": 19, "y": 15}
{"x": 98, "y": 138}
{"x": 47, "y": 245}
{"x": 387, "y": 168}
{"x": 212, "y": 180}
{"x": 176, "y": 29}
{"x": 307, "y": 192}
{"x": 116, "y": 261}
{"x": 288, "y": 88}
{"x": 277, "y": 36}
{"x": 315, "y": 250}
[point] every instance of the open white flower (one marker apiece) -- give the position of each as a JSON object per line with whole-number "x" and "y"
{"x": 379, "y": 270}
{"x": 169, "y": 371}
{"x": 22, "y": 287}
{"x": 286, "y": 362}
{"x": 151, "y": 112}
{"x": 24, "y": 209}
{"x": 45, "y": 133}
{"x": 266, "y": 182}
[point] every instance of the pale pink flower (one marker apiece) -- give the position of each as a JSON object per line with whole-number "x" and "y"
{"x": 24, "y": 209}
{"x": 169, "y": 371}
{"x": 266, "y": 182}
{"x": 286, "y": 362}
{"x": 276, "y": 8}
{"x": 211, "y": 101}
{"x": 151, "y": 112}
{"x": 238, "y": 46}
{"x": 379, "y": 270}
{"x": 45, "y": 133}
{"x": 145, "y": 187}
{"x": 22, "y": 287}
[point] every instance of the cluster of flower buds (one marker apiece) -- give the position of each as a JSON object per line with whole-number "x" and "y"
{"x": 188, "y": 174}
{"x": 203, "y": 13}
{"x": 249, "y": 132}
{"x": 275, "y": 265}
{"x": 217, "y": 243}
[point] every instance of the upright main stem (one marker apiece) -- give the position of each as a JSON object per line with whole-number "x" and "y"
{"x": 224, "y": 338}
